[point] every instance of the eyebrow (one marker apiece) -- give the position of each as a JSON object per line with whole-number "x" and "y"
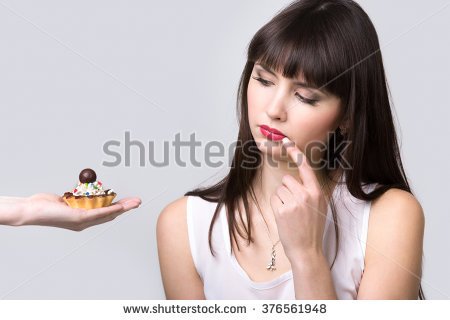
{"x": 299, "y": 83}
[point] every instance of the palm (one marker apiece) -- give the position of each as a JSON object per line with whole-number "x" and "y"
{"x": 51, "y": 210}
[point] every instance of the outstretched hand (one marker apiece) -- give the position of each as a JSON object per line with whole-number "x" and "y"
{"x": 48, "y": 209}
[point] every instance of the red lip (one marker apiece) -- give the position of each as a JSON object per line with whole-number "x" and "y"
{"x": 273, "y": 130}
{"x": 271, "y": 133}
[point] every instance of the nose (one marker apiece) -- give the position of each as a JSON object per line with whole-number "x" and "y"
{"x": 277, "y": 107}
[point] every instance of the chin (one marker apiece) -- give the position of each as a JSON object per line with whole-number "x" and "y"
{"x": 269, "y": 147}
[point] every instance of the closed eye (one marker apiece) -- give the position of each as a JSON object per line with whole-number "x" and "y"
{"x": 306, "y": 100}
{"x": 266, "y": 83}
{"x": 262, "y": 81}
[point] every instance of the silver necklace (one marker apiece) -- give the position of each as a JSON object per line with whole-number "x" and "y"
{"x": 271, "y": 265}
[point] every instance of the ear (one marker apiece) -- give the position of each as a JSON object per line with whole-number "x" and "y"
{"x": 343, "y": 127}
{"x": 344, "y": 124}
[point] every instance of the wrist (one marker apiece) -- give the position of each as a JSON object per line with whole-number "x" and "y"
{"x": 307, "y": 258}
{"x": 32, "y": 211}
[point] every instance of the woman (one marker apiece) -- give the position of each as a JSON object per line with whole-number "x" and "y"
{"x": 271, "y": 230}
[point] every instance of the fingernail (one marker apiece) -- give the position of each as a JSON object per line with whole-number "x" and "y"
{"x": 286, "y": 142}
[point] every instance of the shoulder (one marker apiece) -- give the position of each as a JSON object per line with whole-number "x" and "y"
{"x": 396, "y": 213}
{"x": 173, "y": 215}
{"x": 397, "y": 205}
{"x": 175, "y": 208}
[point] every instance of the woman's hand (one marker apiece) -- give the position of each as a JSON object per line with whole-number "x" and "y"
{"x": 48, "y": 209}
{"x": 300, "y": 209}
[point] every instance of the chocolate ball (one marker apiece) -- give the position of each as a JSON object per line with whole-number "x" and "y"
{"x": 87, "y": 176}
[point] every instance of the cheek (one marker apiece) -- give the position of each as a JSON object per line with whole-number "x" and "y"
{"x": 257, "y": 96}
{"x": 315, "y": 125}
{"x": 255, "y": 100}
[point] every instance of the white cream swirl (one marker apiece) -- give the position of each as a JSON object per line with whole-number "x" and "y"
{"x": 90, "y": 189}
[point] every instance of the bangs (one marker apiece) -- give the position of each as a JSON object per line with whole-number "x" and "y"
{"x": 308, "y": 47}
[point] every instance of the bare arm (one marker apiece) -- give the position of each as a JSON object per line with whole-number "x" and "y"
{"x": 46, "y": 209}
{"x": 11, "y": 210}
{"x": 178, "y": 272}
{"x": 394, "y": 248}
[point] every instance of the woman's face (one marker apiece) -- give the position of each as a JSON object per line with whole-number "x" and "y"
{"x": 305, "y": 115}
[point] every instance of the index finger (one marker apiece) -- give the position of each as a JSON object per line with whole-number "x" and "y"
{"x": 306, "y": 173}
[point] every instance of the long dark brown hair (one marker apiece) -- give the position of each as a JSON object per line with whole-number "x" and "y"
{"x": 334, "y": 46}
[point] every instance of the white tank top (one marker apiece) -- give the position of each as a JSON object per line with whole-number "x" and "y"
{"x": 224, "y": 278}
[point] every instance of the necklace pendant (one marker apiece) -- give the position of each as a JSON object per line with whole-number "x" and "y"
{"x": 271, "y": 265}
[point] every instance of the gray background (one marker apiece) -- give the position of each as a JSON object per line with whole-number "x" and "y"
{"x": 75, "y": 74}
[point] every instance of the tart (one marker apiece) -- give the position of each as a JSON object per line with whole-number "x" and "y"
{"x": 89, "y": 193}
